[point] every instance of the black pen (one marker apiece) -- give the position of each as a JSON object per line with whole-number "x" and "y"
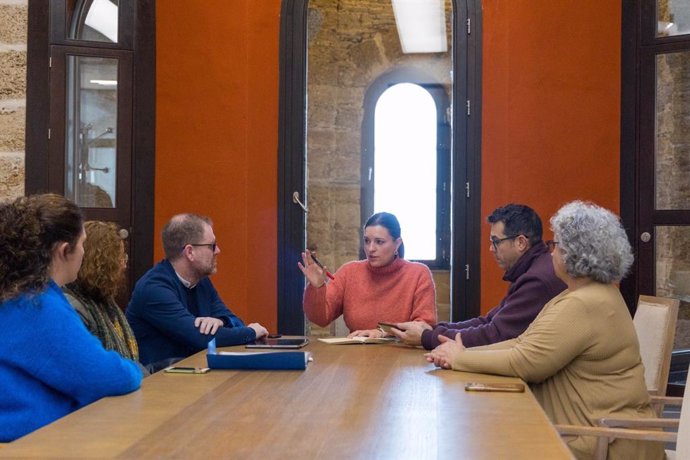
{"x": 316, "y": 261}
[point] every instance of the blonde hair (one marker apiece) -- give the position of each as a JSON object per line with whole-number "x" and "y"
{"x": 101, "y": 271}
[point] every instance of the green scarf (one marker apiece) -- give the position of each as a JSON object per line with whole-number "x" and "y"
{"x": 108, "y": 323}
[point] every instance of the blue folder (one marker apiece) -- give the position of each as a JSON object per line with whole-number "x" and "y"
{"x": 271, "y": 360}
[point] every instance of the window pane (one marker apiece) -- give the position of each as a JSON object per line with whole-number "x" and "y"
{"x": 673, "y": 17}
{"x": 405, "y": 165}
{"x": 91, "y": 136}
{"x": 672, "y": 250}
{"x": 99, "y": 23}
{"x": 672, "y": 131}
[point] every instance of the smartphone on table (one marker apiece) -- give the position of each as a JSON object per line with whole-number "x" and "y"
{"x": 186, "y": 370}
{"x": 500, "y": 387}
{"x": 388, "y": 326}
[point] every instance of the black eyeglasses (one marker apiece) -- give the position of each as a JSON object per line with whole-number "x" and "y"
{"x": 213, "y": 245}
{"x": 551, "y": 245}
{"x": 496, "y": 241}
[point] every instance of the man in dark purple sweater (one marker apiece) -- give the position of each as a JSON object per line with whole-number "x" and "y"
{"x": 516, "y": 244}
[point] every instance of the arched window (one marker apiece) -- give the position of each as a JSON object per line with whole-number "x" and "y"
{"x": 406, "y": 161}
{"x": 405, "y": 166}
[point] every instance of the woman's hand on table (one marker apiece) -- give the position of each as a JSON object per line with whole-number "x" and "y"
{"x": 373, "y": 333}
{"x": 444, "y": 355}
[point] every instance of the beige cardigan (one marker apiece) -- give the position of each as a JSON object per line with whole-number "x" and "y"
{"x": 582, "y": 360}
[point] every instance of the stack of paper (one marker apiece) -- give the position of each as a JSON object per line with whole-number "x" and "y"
{"x": 356, "y": 340}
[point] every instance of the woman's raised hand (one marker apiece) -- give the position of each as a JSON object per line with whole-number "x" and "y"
{"x": 314, "y": 274}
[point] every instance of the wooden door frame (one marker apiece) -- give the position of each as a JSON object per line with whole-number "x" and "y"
{"x": 630, "y": 36}
{"x": 38, "y": 93}
{"x": 638, "y": 48}
{"x": 466, "y": 210}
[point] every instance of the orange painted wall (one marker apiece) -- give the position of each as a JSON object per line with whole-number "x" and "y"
{"x": 551, "y": 103}
{"x": 217, "y": 137}
{"x": 551, "y": 110}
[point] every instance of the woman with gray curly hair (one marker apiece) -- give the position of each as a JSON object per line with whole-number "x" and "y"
{"x": 580, "y": 356}
{"x": 592, "y": 243}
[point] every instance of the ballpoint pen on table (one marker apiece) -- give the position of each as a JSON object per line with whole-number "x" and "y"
{"x": 316, "y": 261}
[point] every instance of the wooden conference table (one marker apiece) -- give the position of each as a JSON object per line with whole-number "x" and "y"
{"x": 353, "y": 401}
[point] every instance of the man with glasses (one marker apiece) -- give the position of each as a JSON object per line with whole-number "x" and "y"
{"x": 516, "y": 244}
{"x": 175, "y": 310}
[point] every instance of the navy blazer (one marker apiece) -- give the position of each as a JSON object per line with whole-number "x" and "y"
{"x": 162, "y": 312}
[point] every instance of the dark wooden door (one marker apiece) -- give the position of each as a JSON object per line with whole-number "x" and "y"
{"x": 655, "y": 148}
{"x": 91, "y": 115}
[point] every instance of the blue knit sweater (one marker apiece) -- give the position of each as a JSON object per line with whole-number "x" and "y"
{"x": 51, "y": 365}
{"x": 162, "y": 313}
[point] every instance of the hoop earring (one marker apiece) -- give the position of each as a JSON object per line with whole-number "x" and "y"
{"x": 396, "y": 252}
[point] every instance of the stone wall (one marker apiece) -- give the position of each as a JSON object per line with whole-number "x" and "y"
{"x": 350, "y": 44}
{"x": 13, "y": 17}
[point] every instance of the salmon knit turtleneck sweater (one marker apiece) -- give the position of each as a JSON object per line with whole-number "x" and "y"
{"x": 364, "y": 295}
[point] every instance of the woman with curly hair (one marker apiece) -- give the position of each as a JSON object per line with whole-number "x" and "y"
{"x": 92, "y": 294}
{"x": 50, "y": 365}
{"x": 580, "y": 356}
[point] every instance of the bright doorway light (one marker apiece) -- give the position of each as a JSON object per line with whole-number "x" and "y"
{"x": 405, "y": 171}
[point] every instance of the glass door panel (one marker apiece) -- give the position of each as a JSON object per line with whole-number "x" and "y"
{"x": 672, "y": 131}
{"x": 673, "y": 262}
{"x": 669, "y": 217}
{"x": 91, "y": 131}
{"x": 673, "y": 17}
{"x": 96, "y": 20}
{"x": 672, "y": 248}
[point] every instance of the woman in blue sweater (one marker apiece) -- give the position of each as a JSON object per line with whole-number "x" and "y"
{"x": 50, "y": 365}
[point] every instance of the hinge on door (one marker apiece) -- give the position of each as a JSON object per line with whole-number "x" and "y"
{"x": 50, "y": 62}
{"x": 467, "y": 271}
{"x": 467, "y": 189}
{"x": 468, "y": 107}
{"x": 49, "y": 133}
{"x": 469, "y": 26}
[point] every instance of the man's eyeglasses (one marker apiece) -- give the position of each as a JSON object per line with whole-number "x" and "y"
{"x": 213, "y": 245}
{"x": 551, "y": 245}
{"x": 496, "y": 241}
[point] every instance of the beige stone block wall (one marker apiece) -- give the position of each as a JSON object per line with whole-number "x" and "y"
{"x": 13, "y": 17}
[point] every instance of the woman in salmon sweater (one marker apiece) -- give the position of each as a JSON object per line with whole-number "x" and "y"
{"x": 383, "y": 288}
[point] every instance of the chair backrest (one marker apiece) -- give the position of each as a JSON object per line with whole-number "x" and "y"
{"x": 683, "y": 440}
{"x": 655, "y": 324}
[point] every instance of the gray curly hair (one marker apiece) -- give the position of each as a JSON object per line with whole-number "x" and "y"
{"x": 593, "y": 242}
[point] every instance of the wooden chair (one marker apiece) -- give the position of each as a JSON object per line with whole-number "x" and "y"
{"x": 639, "y": 429}
{"x": 655, "y": 324}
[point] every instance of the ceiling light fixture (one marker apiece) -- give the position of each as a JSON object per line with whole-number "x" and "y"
{"x": 421, "y": 25}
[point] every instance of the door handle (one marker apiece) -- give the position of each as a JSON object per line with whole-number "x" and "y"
{"x": 295, "y": 199}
